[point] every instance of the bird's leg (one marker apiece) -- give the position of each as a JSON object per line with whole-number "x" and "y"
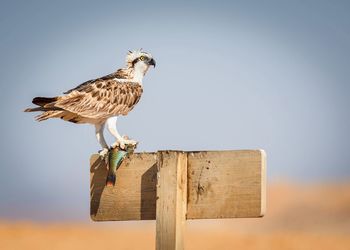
{"x": 121, "y": 141}
{"x": 100, "y": 138}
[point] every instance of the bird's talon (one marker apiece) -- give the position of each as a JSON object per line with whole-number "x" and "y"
{"x": 103, "y": 153}
{"x": 115, "y": 145}
{"x": 123, "y": 143}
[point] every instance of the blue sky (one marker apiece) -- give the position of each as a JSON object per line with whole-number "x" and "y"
{"x": 229, "y": 75}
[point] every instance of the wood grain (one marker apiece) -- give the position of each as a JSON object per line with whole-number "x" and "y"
{"x": 171, "y": 200}
{"x": 226, "y": 184}
{"x": 134, "y": 195}
{"x": 220, "y": 184}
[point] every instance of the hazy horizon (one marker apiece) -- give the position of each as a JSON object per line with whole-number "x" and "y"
{"x": 229, "y": 75}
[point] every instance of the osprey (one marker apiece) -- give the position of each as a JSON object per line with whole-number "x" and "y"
{"x": 100, "y": 101}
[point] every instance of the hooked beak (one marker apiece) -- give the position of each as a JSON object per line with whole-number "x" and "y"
{"x": 152, "y": 62}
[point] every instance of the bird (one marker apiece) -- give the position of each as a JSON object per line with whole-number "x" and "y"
{"x": 101, "y": 101}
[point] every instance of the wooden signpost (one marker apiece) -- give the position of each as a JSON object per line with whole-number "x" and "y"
{"x": 172, "y": 186}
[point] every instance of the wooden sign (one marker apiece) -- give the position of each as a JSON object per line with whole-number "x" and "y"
{"x": 221, "y": 184}
{"x": 172, "y": 186}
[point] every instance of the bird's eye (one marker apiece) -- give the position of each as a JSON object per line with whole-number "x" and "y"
{"x": 142, "y": 58}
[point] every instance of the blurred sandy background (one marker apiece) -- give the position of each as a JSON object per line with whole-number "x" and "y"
{"x": 230, "y": 75}
{"x": 298, "y": 217}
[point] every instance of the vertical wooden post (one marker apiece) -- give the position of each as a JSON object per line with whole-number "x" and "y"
{"x": 171, "y": 200}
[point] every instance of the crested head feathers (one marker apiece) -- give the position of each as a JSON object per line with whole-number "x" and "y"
{"x": 132, "y": 55}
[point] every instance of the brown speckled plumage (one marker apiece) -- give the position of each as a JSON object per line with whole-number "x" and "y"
{"x": 93, "y": 101}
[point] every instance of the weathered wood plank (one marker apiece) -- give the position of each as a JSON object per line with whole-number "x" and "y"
{"x": 171, "y": 200}
{"x": 221, "y": 184}
{"x": 226, "y": 184}
{"x": 134, "y": 195}
{"x": 263, "y": 183}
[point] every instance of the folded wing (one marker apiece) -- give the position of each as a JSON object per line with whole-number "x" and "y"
{"x": 91, "y": 102}
{"x": 101, "y": 99}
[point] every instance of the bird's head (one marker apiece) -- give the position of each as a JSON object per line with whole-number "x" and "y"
{"x": 139, "y": 61}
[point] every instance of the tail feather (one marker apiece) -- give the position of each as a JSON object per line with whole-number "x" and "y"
{"x": 62, "y": 114}
{"x": 42, "y": 101}
{"x": 41, "y": 109}
{"x": 33, "y": 109}
{"x": 47, "y": 106}
{"x": 49, "y": 114}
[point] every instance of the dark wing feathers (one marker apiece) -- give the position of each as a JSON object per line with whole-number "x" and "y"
{"x": 41, "y": 101}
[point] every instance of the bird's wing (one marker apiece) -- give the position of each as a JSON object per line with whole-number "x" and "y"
{"x": 119, "y": 74}
{"x": 101, "y": 99}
